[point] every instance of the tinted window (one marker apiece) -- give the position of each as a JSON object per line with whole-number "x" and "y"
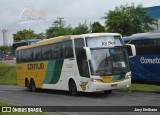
{"x": 148, "y": 46}
{"x": 18, "y": 56}
{"x": 23, "y": 56}
{"x": 67, "y": 49}
{"x": 46, "y": 52}
{"x": 57, "y": 51}
{"x": 37, "y": 53}
{"x": 31, "y": 54}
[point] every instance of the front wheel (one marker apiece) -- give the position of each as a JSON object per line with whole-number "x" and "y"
{"x": 73, "y": 88}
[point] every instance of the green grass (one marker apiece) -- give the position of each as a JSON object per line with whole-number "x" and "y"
{"x": 16, "y": 113}
{"x": 143, "y": 87}
{"x": 7, "y": 74}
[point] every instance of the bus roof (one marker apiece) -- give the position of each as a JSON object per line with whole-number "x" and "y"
{"x": 28, "y": 40}
{"x": 143, "y": 36}
{"x": 96, "y": 34}
{"x": 65, "y": 38}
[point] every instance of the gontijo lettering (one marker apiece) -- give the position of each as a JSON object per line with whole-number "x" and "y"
{"x": 35, "y": 66}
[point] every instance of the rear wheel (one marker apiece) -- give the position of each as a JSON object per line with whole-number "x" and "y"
{"x": 27, "y": 84}
{"x": 73, "y": 88}
{"x": 33, "y": 85}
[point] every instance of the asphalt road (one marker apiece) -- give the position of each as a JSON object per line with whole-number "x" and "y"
{"x": 19, "y": 95}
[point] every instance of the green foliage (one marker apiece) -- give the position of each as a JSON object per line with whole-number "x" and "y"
{"x": 26, "y": 34}
{"x": 58, "y": 28}
{"x": 128, "y": 20}
{"x": 81, "y": 29}
{"x": 5, "y": 50}
{"x": 7, "y": 74}
{"x": 40, "y": 36}
{"x": 57, "y": 31}
{"x": 97, "y": 27}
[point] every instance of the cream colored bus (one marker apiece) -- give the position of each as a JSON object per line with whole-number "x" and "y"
{"x": 77, "y": 63}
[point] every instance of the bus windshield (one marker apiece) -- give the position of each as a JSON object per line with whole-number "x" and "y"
{"x": 109, "y": 61}
{"x": 109, "y": 56}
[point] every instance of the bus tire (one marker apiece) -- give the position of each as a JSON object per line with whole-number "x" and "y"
{"x": 108, "y": 91}
{"x": 73, "y": 88}
{"x": 27, "y": 84}
{"x": 33, "y": 85}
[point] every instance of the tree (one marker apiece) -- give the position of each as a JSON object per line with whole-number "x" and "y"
{"x": 58, "y": 28}
{"x": 40, "y": 35}
{"x": 26, "y": 34}
{"x": 128, "y": 20}
{"x": 82, "y": 28}
{"x": 97, "y": 27}
{"x": 5, "y": 50}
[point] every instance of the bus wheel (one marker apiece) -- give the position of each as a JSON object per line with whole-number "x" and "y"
{"x": 73, "y": 88}
{"x": 33, "y": 85}
{"x": 27, "y": 84}
{"x": 108, "y": 91}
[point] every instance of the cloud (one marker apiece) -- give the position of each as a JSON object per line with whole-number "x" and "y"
{"x": 74, "y": 11}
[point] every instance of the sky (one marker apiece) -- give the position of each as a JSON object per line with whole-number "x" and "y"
{"x": 39, "y": 15}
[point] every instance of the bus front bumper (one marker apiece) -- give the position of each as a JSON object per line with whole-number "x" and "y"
{"x": 100, "y": 86}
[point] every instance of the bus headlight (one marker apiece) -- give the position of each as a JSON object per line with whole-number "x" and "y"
{"x": 96, "y": 80}
{"x": 128, "y": 77}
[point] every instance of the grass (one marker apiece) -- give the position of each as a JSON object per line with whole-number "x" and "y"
{"x": 7, "y": 74}
{"x": 143, "y": 87}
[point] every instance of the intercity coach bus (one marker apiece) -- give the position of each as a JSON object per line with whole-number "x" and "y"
{"x": 76, "y": 63}
{"x": 145, "y": 65}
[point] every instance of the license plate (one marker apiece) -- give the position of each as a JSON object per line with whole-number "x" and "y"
{"x": 114, "y": 85}
{"x": 107, "y": 78}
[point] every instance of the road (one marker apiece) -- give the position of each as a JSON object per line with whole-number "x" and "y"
{"x": 19, "y": 95}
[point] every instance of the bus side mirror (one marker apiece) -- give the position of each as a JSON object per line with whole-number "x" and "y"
{"x": 88, "y": 53}
{"x": 131, "y": 50}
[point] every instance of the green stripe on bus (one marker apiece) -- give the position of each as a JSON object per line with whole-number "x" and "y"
{"x": 49, "y": 72}
{"x": 57, "y": 71}
{"x": 54, "y": 70}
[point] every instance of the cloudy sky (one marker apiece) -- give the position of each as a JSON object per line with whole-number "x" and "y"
{"x": 14, "y": 13}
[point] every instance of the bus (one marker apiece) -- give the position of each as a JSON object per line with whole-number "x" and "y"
{"x": 145, "y": 65}
{"x": 23, "y": 43}
{"x": 77, "y": 63}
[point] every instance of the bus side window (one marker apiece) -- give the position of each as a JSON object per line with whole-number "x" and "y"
{"x": 18, "y": 56}
{"x": 24, "y": 56}
{"x": 149, "y": 46}
{"x": 139, "y": 46}
{"x": 47, "y": 52}
{"x": 158, "y": 45}
{"x": 67, "y": 48}
{"x": 56, "y": 51}
{"x": 81, "y": 57}
{"x": 37, "y": 53}
{"x": 129, "y": 50}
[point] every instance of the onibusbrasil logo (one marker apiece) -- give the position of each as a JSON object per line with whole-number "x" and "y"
{"x": 21, "y": 109}
{"x": 28, "y": 15}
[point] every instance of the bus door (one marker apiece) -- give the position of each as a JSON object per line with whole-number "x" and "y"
{"x": 82, "y": 63}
